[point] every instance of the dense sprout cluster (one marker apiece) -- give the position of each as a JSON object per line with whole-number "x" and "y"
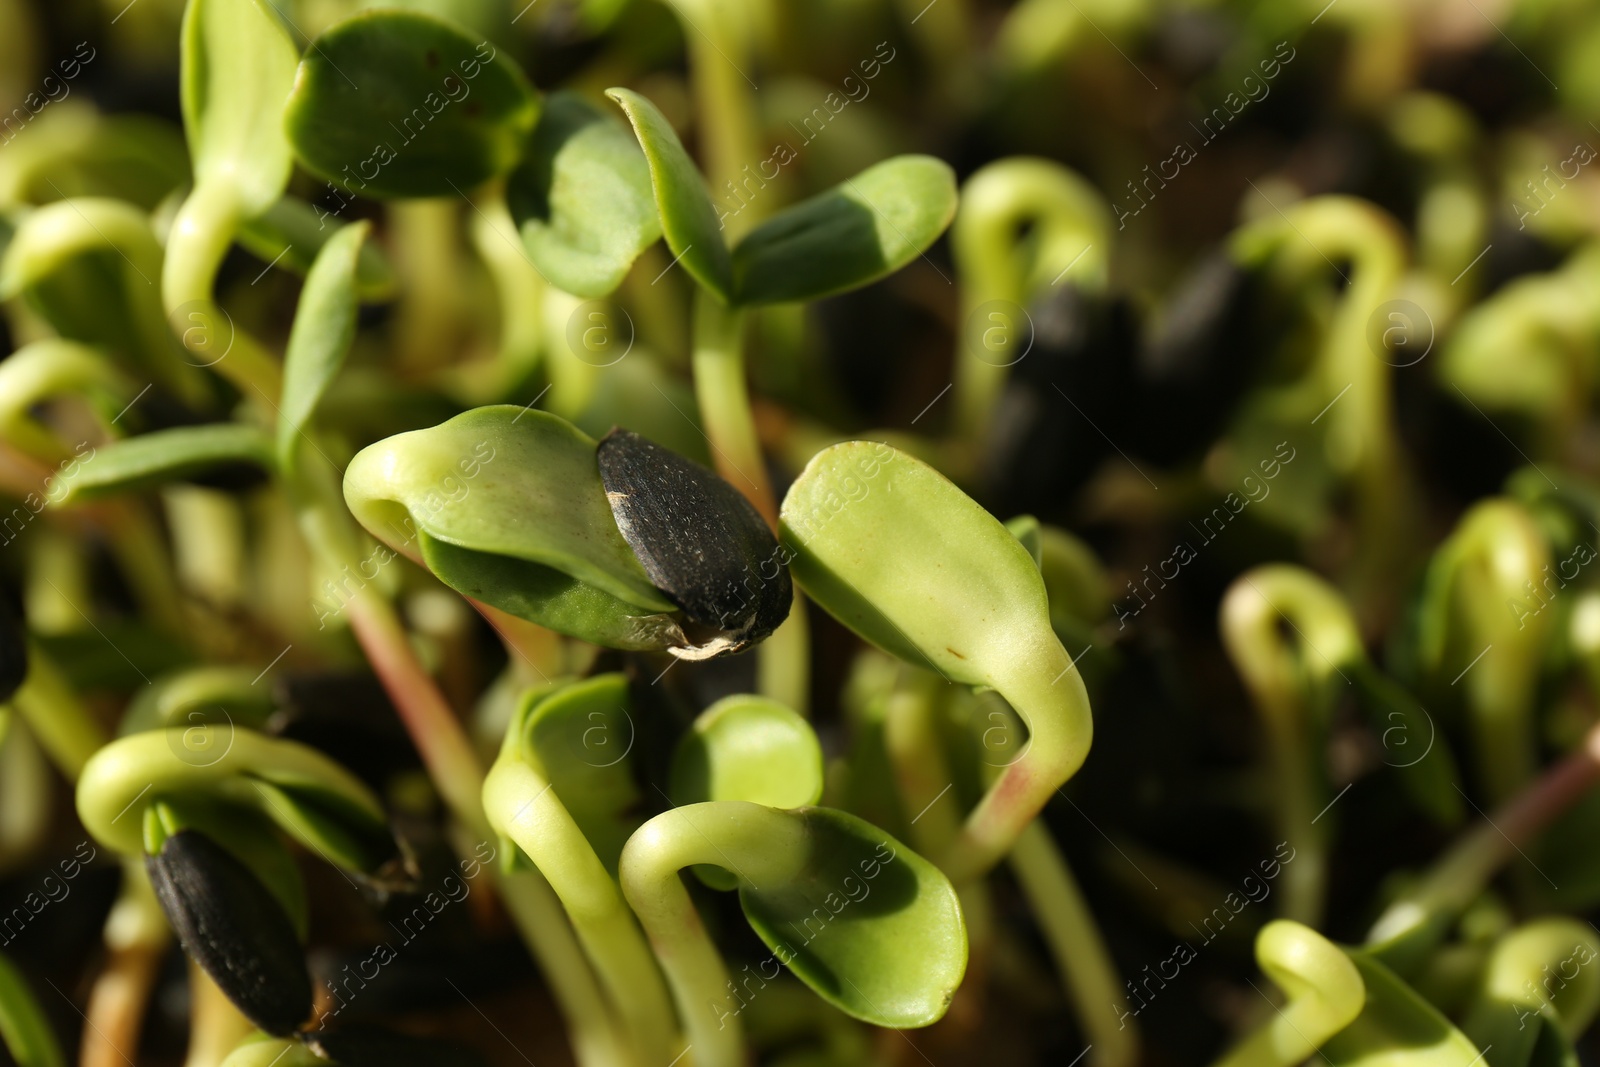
{"x": 810, "y": 533}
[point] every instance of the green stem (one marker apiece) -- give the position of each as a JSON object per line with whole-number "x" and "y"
{"x": 536, "y": 912}
{"x": 55, "y": 715}
{"x": 768, "y": 843}
{"x": 1325, "y": 994}
{"x": 202, "y": 233}
{"x": 542, "y": 827}
{"x": 427, "y": 255}
{"x": 1483, "y": 573}
{"x": 1360, "y": 442}
{"x": 1046, "y": 690}
{"x": 783, "y": 660}
{"x": 456, "y": 772}
{"x": 922, "y": 775}
{"x": 724, "y": 401}
{"x": 453, "y": 766}
{"x": 1069, "y": 219}
{"x": 1411, "y": 925}
{"x": 572, "y": 378}
{"x": 1290, "y": 688}
{"x": 23, "y": 1024}
{"x": 519, "y": 287}
{"x": 1080, "y": 953}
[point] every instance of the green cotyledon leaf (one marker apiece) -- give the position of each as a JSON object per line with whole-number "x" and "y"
{"x": 550, "y": 597}
{"x": 392, "y": 103}
{"x": 1537, "y": 994}
{"x": 746, "y": 747}
{"x": 583, "y": 736}
{"x": 873, "y": 928}
{"x": 238, "y": 67}
{"x": 157, "y": 458}
{"x": 503, "y": 481}
{"x": 861, "y": 230}
{"x": 688, "y": 218}
{"x": 899, "y": 554}
{"x": 582, "y": 197}
{"x": 324, "y": 327}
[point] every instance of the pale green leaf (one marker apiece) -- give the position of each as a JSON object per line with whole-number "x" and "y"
{"x": 861, "y": 230}
{"x": 688, "y": 219}
{"x": 582, "y": 197}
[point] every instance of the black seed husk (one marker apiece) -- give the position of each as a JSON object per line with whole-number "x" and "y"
{"x": 700, "y": 541}
{"x": 371, "y": 1046}
{"x": 234, "y": 928}
{"x": 13, "y": 652}
{"x": 1197, "y": 362}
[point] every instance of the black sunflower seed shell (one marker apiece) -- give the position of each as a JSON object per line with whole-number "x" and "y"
{"x": 13, "y": 652}
{"x": 234, "y": 928}
{"x": 371, "y": 1046}
{"x": 700, "y": 541}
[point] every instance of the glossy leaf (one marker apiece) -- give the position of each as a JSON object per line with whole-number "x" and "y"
{"x": 394, "y": 103}
{"x": 688, "y": 219}
{"x": 234, "y": 929}
{"x": 582, "y": 197}
{"x": 549, "y": 597}
{"x": 747, "y": 747}
{"x": 900, "y": 947}
{"x": 157, "y": 458}
{"x": 891, "y": 548}
{"x": 238, "y": 68}
{"x": 582, "y": 735}
{"x": 324, "y": 327}
{"x": 859, "y": 231}
{"x": 535, "y": 494}
{"x": 326, "y": 821}
{"x": 291, "y": 233}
